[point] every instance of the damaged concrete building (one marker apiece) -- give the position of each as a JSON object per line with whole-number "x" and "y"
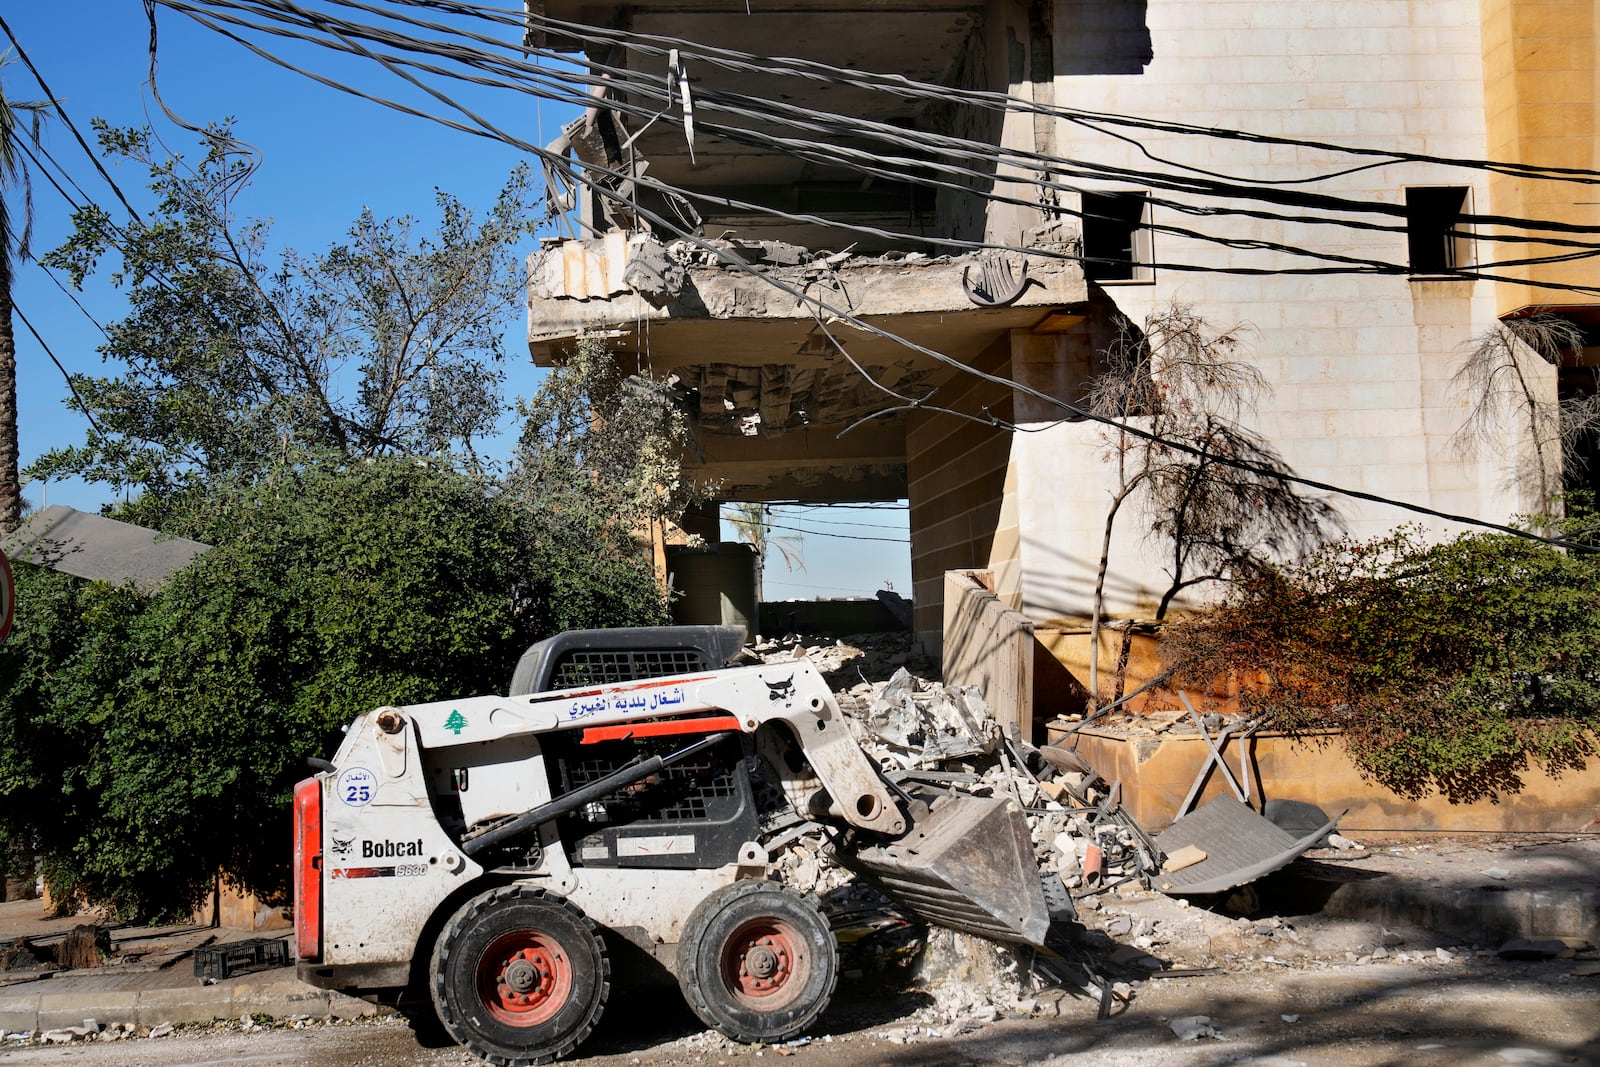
{"x": 868, "y": 288}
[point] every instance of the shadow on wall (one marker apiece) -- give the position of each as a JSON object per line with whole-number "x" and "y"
{"x": 1094, "y": 37}
{"x": 1060, "y": 586}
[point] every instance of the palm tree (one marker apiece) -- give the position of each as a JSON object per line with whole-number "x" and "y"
{"x": 752, "y": 524}
{"x": 13, "y": 249}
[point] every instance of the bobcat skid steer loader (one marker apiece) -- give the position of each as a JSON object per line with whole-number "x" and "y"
{"x": 479, "y": 847}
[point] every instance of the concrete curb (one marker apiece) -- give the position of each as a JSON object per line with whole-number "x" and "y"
{"x": 275, "y": 996}
{"x": 1477, "y": 914}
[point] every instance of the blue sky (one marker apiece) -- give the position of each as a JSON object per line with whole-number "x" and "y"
{"x": 325, "y": 156}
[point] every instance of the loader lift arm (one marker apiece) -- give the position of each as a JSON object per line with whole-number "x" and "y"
{"x": 791, "y": 694}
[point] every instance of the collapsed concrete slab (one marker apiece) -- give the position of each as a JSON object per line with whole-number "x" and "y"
{"x": 623, "y": 280}
{"x": 799, "y": 368}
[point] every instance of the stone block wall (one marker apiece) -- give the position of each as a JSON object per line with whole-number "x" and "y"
{"x": 1360, "y": 367}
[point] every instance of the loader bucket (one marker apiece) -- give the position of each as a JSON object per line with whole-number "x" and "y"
{"x": 966, "y": 864}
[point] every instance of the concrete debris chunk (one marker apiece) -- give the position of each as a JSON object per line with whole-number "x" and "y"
{"x": 1194, "y": 1027}
{"x": 654, "y": 274}
{"x": 928, "y": 725}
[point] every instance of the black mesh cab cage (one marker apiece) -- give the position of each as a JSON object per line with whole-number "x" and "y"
{"x": 606, "y": 657}
{"x": 697, "y": 814}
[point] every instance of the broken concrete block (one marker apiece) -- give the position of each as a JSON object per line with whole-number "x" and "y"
{"x": 1193, "y": 1027}
{"x": 653, "y": 274}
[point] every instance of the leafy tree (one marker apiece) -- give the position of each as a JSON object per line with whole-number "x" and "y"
{"x": 1178, "y": 379}
{"x": 316, "y": 422}
{"x": 65, "y": 658}
{"x": 13, "y": 246}
{"x": 148, "y": 742}
{"x": 1445, "y": 665}
{"x": 389, "y": 343}
{"x": 601, "y": 449}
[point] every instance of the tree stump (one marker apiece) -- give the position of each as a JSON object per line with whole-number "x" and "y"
{"x": 86, "y": 945}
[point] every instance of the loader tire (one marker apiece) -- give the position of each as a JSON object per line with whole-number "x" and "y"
{"x": 519, "y": 977}
{"x": 757, "y": 962}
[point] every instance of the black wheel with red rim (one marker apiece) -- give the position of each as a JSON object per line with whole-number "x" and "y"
{"x": 757, "y": 962}
{"x": 519, "y": 977}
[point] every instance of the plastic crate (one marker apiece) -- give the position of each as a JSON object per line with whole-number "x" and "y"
{"x": 240, "y": 957}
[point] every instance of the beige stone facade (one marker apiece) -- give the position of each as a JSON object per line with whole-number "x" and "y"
{"x": 747, "y": 316}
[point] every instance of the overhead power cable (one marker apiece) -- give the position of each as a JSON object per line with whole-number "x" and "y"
{"x": 852, "y": 525}
{"x": 660, "y": 45}
{"x": 825, "y": 522}
{"x": 71, "y": 385}
{"x": 622, "y": 78}
{"x": 55, "y": 105}
{"x": 825, "y": 311}
{"x": 1344, "y": 264}
{"x": 854, "y": 591}
{"x": 845, "y": 537}
{"x": 614, "y": 75}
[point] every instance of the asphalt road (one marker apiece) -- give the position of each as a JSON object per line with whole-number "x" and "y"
{"x": 1483, "y": 1012}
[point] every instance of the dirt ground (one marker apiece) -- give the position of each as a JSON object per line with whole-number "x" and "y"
{"x": 1468, "y": 1012}
{"x": 1272, "y": 988}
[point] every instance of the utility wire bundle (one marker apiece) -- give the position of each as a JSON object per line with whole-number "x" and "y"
{"x": 641, "y": 77}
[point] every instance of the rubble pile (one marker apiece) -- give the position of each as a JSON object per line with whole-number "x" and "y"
{"x": 938, "y": 738}
{"x": 93, "y": 1030}
{"x": 921, "y": 731}
{"x": 736, "y": 254}
{"x": 853, "y": 666}
{"x": 1109, "y": 872}
{"x": 918, "y": 724}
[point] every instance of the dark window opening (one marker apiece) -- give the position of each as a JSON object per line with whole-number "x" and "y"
{"x": 1581, "y": 468}
{"x": 1437, "y": 241}
{"x": 1115, "y": 238}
